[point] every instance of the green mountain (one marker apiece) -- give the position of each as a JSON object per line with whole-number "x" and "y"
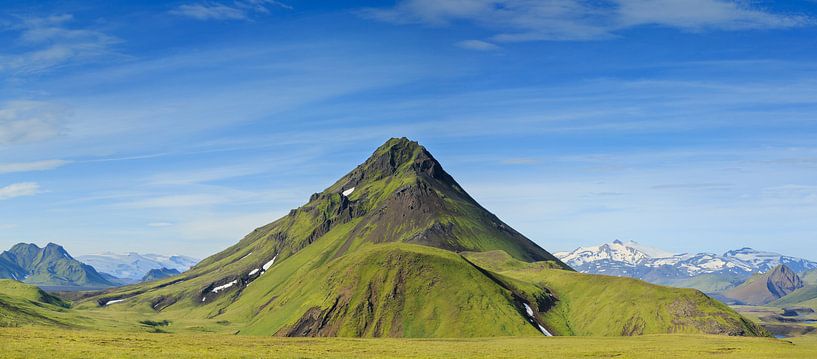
{"x": 48, "y": 266}
{"x": 389, "y": 250}
{"x": 765, "y": 288}
{"x": 159, "y": 273}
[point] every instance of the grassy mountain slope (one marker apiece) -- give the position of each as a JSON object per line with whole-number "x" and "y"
{"x": 806, "y": 296}
{"x": 376, "y": 254}
{"x": 50, "y": 266}
{"x": 765, "y": 288}
{"x": 585, "y": 304}
{"x": 396, "y": 290}
{"x": 810, "y": 277}
{"x": 23, "y": 304}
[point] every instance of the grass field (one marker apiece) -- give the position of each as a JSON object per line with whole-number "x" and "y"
{"x": 34, "y": 342}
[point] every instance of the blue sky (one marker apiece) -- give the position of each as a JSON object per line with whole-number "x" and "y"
{"x": 177, "y": 127}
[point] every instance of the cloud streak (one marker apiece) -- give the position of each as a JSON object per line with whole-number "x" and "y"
{"x": 239, "y": 10}
{"x": 478, "y": 45}
{"x": 28, "y": 121}
{"x": 31, "y": 166}
{"x": 559, "y": 20}
{"x": 45, "y": 43}
{"x": 19, "y": 190}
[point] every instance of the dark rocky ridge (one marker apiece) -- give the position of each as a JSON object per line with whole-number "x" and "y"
{"x": 766, "y": 288}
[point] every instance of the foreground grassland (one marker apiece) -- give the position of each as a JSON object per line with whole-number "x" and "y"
{"x": 31, "y": 342}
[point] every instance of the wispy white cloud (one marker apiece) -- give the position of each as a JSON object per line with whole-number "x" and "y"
{"x": 28, "y": 121}
{"x": 238, "y": 10}
{"x": 520, "y": 161}
{"x": 702, "y": 14}
{"x": 19, "y": 190}
{"x": 159, "y": 224}
{"x": 210, "y": 12}
{"x": 31, "y": 166}
{"x": 525, "y": 20}
{"x": 478, "y": 45}
{"x": 45, "y": 43}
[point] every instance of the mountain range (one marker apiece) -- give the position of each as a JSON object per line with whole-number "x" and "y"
{"x": 134, "y": 266}
{"x": 50, "y": 266}
{"x": 704, "y": 271}
{"x": 397, "y": 248}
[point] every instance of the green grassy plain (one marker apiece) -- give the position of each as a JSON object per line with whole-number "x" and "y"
{"x": 35, "y": 342}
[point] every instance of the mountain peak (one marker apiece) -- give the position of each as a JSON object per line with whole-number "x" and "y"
{"x": 398, "y": 160}
{"x": 767, "y": 287}
{"x": 404, "y": 154}
{"x": 55, "y": 250}
{"x": 782, "y": 269}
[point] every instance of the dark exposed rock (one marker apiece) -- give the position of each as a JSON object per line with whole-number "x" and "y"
{"x": 162, "y": 302}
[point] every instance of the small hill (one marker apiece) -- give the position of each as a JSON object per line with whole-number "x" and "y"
{"x": 161, "y": 273}
{"x": 49, "y": 266}
{"x": 765, "y": 288}
{"x": 23, "y": 304}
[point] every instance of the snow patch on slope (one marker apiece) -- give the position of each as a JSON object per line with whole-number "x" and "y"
{"x": 529, "y": 311}
{"x": 266, "y": 266}
{"x": 223, "y": 287}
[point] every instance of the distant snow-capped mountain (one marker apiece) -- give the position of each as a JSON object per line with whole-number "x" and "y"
{"x": 632, "y": 259}
{"x": 766, "y": 261}
{"x": 134, "y": 266}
